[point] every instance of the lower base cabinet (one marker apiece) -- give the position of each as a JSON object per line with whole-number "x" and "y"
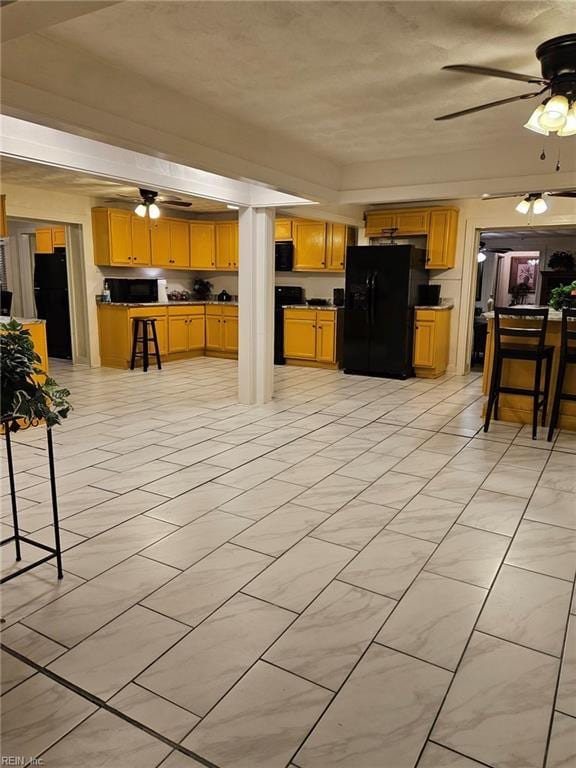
{"x": 312, "y": 337}
{"x": 221, "y": 331}
{"x": 431, "y": 342}
{"x": 186, "y": 329}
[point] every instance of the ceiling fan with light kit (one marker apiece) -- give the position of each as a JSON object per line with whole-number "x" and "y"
{"x": 557, "y": 113}
{"x": 150, "y": 202}
{"x": 533, "y": 202}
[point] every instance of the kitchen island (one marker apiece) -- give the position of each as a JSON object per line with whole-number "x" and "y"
{"x": 520, "y": 373}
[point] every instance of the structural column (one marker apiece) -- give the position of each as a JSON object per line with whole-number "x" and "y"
{"x": 256, "y": 305}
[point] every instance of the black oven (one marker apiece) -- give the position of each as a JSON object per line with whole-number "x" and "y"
{"x": 132, "y": 291}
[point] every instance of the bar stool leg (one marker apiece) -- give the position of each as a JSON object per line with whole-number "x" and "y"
{"x": 134, "y": 343}
{"x": 536, "y": 399}
{"x": 557, "y": 399}
{"x": 493, "y": 392}
{"x": 156, "y": 348}
{"x": 145, "y": 346}
{"x": 546, "y": 395}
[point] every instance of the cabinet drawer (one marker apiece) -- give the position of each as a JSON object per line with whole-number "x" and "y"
{"x": 186, "y": 310}
{"x": 425, "y": 314}
{"x": 147, "y": 312}
{"x": 230, "y": 311}
{"x": 300, "y": 314}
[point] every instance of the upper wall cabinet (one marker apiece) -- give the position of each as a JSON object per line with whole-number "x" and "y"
{"x": 48, "y": 238}
{"x": 112, "y": 234}
{"x": 227, "y": 245}
{"x": 440, "y": 225}
{"x": 3, "y": 221}
{"x": 283, "y": 229}
{"x": 321, "y": 247}
{"x": 202, "y": 245}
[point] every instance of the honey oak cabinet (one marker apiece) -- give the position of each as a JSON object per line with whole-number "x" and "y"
{"x": 140, "y": 246}
{"x": 338, "y": 238}
{"x": 311, "y": 337}
{"x": 186, "y": 329}
{"x": 227, "y": 245}
{"x": 3, "y": 220}
{"x": 202, "y": 245}
{"x": 112, "y": 236}
{"x": 44, "y": 243}
{"x": 431, "y": 342}
{"x": 179, "y": 243}
{"x": 442, "y": 234}
{"x": 309, "y": 245}
{"x": 160, "y": 242}
{"x": 283, "y": 229}
{"x": 222, "y": 330}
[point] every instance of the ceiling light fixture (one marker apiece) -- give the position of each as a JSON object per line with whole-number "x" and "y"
{"x": 555, "y": 115}
{"x": 569, "y": 127}
{"x": 148, "y": 204}
{"x": 534, "y": 202}
{"x": 232, "y": 207}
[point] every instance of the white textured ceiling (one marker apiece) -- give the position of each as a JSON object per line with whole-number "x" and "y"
{"x": 69, "y": 182}
{"x": 353, "y": 81}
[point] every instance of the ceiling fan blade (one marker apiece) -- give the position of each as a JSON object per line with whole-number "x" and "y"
{"x": 567, "y": 193}
{"x": 181, "y": 203}
{"x": 491, "y": 72}
{"x": 491, "y": 104}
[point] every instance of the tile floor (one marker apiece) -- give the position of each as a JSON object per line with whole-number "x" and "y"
{"x": 353, "y": 576}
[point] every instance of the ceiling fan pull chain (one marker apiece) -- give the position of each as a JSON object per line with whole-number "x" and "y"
{"x": 558, "y": 160}
{"x": 543, "y": 154}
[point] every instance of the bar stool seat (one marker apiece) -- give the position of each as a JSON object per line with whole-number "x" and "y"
{"x": 539, "y": 353}
{"x": 567, "y": 357}
{"x": 146, "y": 324}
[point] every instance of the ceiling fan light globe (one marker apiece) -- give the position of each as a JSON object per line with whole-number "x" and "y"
{"x": 153, "y": 211}
{"x": 523, "y": 206}
{"x": 533, "y": 124}
{"x": 140, "y": 210}
{"x": 569, "y": 127}
{"x": 555, "y": 112}
{"x": 539, "y": 206}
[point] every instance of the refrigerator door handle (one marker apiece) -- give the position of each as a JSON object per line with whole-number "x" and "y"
{"x": 373, "y": 298}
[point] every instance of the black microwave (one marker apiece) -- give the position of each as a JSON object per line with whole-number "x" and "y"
{"x": 132, "y": 291}
{"x": 284, "y": 254}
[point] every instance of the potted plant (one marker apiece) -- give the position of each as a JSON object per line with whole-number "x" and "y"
{"x": 563, "y": 296}
{"x": 561, "y": 261}
{"x": 27, "y": 394}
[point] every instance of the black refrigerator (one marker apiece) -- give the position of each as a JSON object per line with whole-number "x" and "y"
{"x": 381, "y": 290}
{"x": 51, "y": 296}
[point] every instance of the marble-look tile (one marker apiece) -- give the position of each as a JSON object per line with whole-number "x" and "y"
{"x": 37, "y": 713}
{"x": 455, "y": 484}
{"x": 295, "y": 579}
{"x": 544, "y": 548}
{"x": 113, "y": 655}
{"x": 184, "y": 480}
{"x": 200, "y": 590}
{"x": 400, "y": 444}
{"x": 566, "y": 441}
{"x": 97, "y": 519}
{"x": 426, "y": 517}
{"x": 331, "y": 494}
{"x": 280, "y": 529}
{"x": 381, "y": 717}
{"x": 434, "y": 620}
{"x": 200, "y": 669}
{"x": 261, "y": 722}
{"x": 197, "y": 453}
{"x": 346, "y": 450}
{"x": 435, "y": 756}
{"x": 388, "y": 564}
{"x": 193, "y": 504}
{"x": 566, "y": 698}
{"x": 122, "y": 482}
{"x": 423, "y": 463}
{"x": 105, "y": 739}
{"x": 310, "y": 471}
{"x": 473, "y": 460}
{"x": 252, "y": 474}
{"x": 33, "y": 590}
{"x": 393, "y": 490}
{"x": 562, "y": 750}
{"x": 73, "y": 617}
{"x": 376, "y": 432}
{"x": 260, "y": 501}
{"x": 180, "y": 760}
{"x": 292, "y": 453}
{"x": 133, "y": 459}
{"x": 470, "y": 555}
{"x": 72, "y": 482}
{"x": 369, "y": 466}
{"x": 512, "y": 480}
{"x": 554, "y": 507}
{"x": 355, "y": 524}
{"x": 495, "y": 512}
{"x": 13, "y": 671}
{"x": 154, "y": 712}
{"x": 38, "y": 515}
{"x": 30, "y": 644}
{"x": 111, "y": 547}
{"x": 525, "y": 457}
{"x": 527, "y": 608}
{"x": 499, "y": 706}
{"x": 448, "y": 444}
{"x": 327, "y": 640}
{"x": 192, "y": 542}
{"x": 560, "y": 473}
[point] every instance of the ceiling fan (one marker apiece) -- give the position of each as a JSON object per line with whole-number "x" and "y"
{"x": 150, "y": 202}
{"x": 557, "y": 113}
{"x": 533, "y": 201}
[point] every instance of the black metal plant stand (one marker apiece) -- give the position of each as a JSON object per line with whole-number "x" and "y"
{"x": 54, "y": 552}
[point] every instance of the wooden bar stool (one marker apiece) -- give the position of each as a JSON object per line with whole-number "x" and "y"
{"x": 147, "y": 323}
{"x": 567, "y": 357}
{"x": 538, "y": 353}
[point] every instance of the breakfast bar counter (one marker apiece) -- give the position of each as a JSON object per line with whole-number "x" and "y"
{"x": 520, "y": 373}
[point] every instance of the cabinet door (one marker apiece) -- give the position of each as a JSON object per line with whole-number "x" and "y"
{"x": 59, "y": 237}
{"x": 309, "y": 245}
{"x": 179, "y": 243}
{"x": 283, "y": 229}
{"x": 336, "y": 247}
{"x": 44, "y": 242}
{"x": 441, "y": 245}
{"x": 227, "y": 245}
{"x": 202, "y": 245}
{"x": 140, "y": 240}
{"x": 213, "y": 332}
{"x": 120, "y": 236}
{"x": 424, "y": 344}
{"x": 3, "y": 221}
{"x": 196, "y": 335}
{"x": 325, "y": 341}
{"x": 160, "y": 243}
{"x": 300, "y": 338}
{"x": 178, "y": 333}
{"x": 230, "y": 334}
{"x": 412, "y": 222}
{"x": 380, "y": 222}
